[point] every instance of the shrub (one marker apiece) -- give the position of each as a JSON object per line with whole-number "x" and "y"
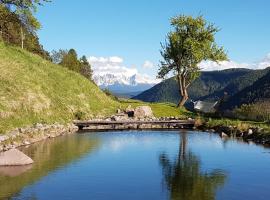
{"x": 79, "y": 115}
{"x": 259, "y": 111}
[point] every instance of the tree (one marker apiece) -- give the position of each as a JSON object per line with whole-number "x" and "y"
{"x": 24, "y": 9}
{"x": 70, "y": 61}
{"x": 86, "y": 70}
{"x": 18, "y": 26}
{"x": 191, "y": 42}
{"x": 184, "y": 177}
{"x": 57, "y": 56}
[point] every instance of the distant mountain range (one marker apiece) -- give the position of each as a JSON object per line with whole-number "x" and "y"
{"x": 123, "y": 84}
{"x": 210, "y": 86}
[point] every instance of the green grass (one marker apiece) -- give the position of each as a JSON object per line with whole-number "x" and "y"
{"x": 159, "y": 109}
{"x": 33, "y": 90}
{"x": 241, "y": 125}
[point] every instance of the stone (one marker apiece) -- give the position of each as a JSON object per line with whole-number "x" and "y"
{"x": 119, "y": 117}
{"x": 14, "y": 157}
{"x": 143, "y": 111}
{"x": 250, "y": 132}
{"x": 3, "y": 138}
{"x": 129, "y": 111}
{"x": 13, "y": 171}
{"x": 223, "y": 135}
{"x": 118, "y": 111}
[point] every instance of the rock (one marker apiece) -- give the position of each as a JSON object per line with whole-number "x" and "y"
{"x": 143, "y": 111}
{"x": 223, "y": 135}
{"x": 250, "y": 132}
{"x": 3, "y": 138}
{"x": 13, "y": 171}
{"x": 14, "y": 157}
{"x": 118, "y": 111}
{"x": 38, "y": 125}
{"x": 26, "y": 143}
{"x": 119, "y": 117}
{"x": 129, "y": 111}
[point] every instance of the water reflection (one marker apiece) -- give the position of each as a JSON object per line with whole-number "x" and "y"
{"x": 48, "y": 156}
{"x": 185, "y": 179}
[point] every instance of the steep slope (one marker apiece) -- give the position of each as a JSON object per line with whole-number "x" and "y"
{"x": 238, "y": 84}
{"x": 35, "y": 90}
{"x": 259, "y": 91}
{"x": 207, "y": 85}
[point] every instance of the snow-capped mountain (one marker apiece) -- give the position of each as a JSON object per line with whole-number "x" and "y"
{"x": 111, "y": 73}
{"x": 121, "y": 83}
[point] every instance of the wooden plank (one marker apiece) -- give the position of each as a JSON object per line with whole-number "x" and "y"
{"x": 89, "y": 123}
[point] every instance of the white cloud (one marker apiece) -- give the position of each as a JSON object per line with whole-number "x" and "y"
{"x": 210, "y": 65}
{"x": 114, "y": 65}
{"x": 148, "y": 64}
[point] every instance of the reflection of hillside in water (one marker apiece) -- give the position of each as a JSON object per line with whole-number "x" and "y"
{"x": 184, "y": 178}
{"x": 48, "y": 156}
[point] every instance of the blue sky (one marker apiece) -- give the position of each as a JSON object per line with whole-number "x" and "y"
{"x": 133, "y": 30}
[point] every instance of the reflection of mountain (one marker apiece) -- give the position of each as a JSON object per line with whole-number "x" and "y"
{"x": 184, "y": 178}
{"x": 48, "y": 156}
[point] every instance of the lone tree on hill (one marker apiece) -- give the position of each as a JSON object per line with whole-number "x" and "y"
{"x": 191, "y": 41}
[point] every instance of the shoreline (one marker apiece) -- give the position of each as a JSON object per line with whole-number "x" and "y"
{"x": 32, "y": 134}
{"x": 250, "y": 133}
{"x": 36, "y": 133}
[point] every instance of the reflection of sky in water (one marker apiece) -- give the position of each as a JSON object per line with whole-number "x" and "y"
{"x": 133, "y": 165}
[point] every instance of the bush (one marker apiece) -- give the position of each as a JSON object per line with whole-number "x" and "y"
{"x": 259, "y": 111}
{"x": 79, "y": 115}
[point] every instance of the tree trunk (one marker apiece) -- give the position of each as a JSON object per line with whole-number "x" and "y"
{"x": 22, "y": 38}
{"x": 182, "y": 101}
{"x": 182, "y": 91}
{"x": 182, "y": 147}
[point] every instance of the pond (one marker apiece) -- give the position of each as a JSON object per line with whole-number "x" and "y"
{"x": 140, "y": 165}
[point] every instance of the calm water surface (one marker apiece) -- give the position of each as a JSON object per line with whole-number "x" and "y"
{"x": 140, "y": 165}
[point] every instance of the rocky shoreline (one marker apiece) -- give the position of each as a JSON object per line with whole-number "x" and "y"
{"x": 250, "y": 134}
{"x": 29, "y": 135}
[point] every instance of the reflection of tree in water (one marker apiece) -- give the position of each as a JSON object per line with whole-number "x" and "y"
{"x": 184, "y": 178}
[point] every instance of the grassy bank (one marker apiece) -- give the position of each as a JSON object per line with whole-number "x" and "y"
{"x": 240, "y": 125}
{"x": 159, "y": 109}
{"x": 33, "y": 90}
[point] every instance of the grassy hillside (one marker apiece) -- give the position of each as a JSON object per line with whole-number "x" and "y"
{"x": 35, "y": 90}
{"x": 207, "y": 85}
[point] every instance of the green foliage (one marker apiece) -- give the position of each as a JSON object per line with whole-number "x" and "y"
{"x": 159, "y": 109}
{"x": 70, "y": 61}
{"x": 33, "y": 90}
{"x": 19, "y": 28}
{"x": 239, "y": 124}
{"x": 191, "y": 41}
{"x": 86, "y": 70}
{"x": 259, "y": 111}
{"x": 258, "y": 91}
{"x": 184, "y": 176}
{"x": 80, "y": 115}
{"x": 209, "y": 86}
